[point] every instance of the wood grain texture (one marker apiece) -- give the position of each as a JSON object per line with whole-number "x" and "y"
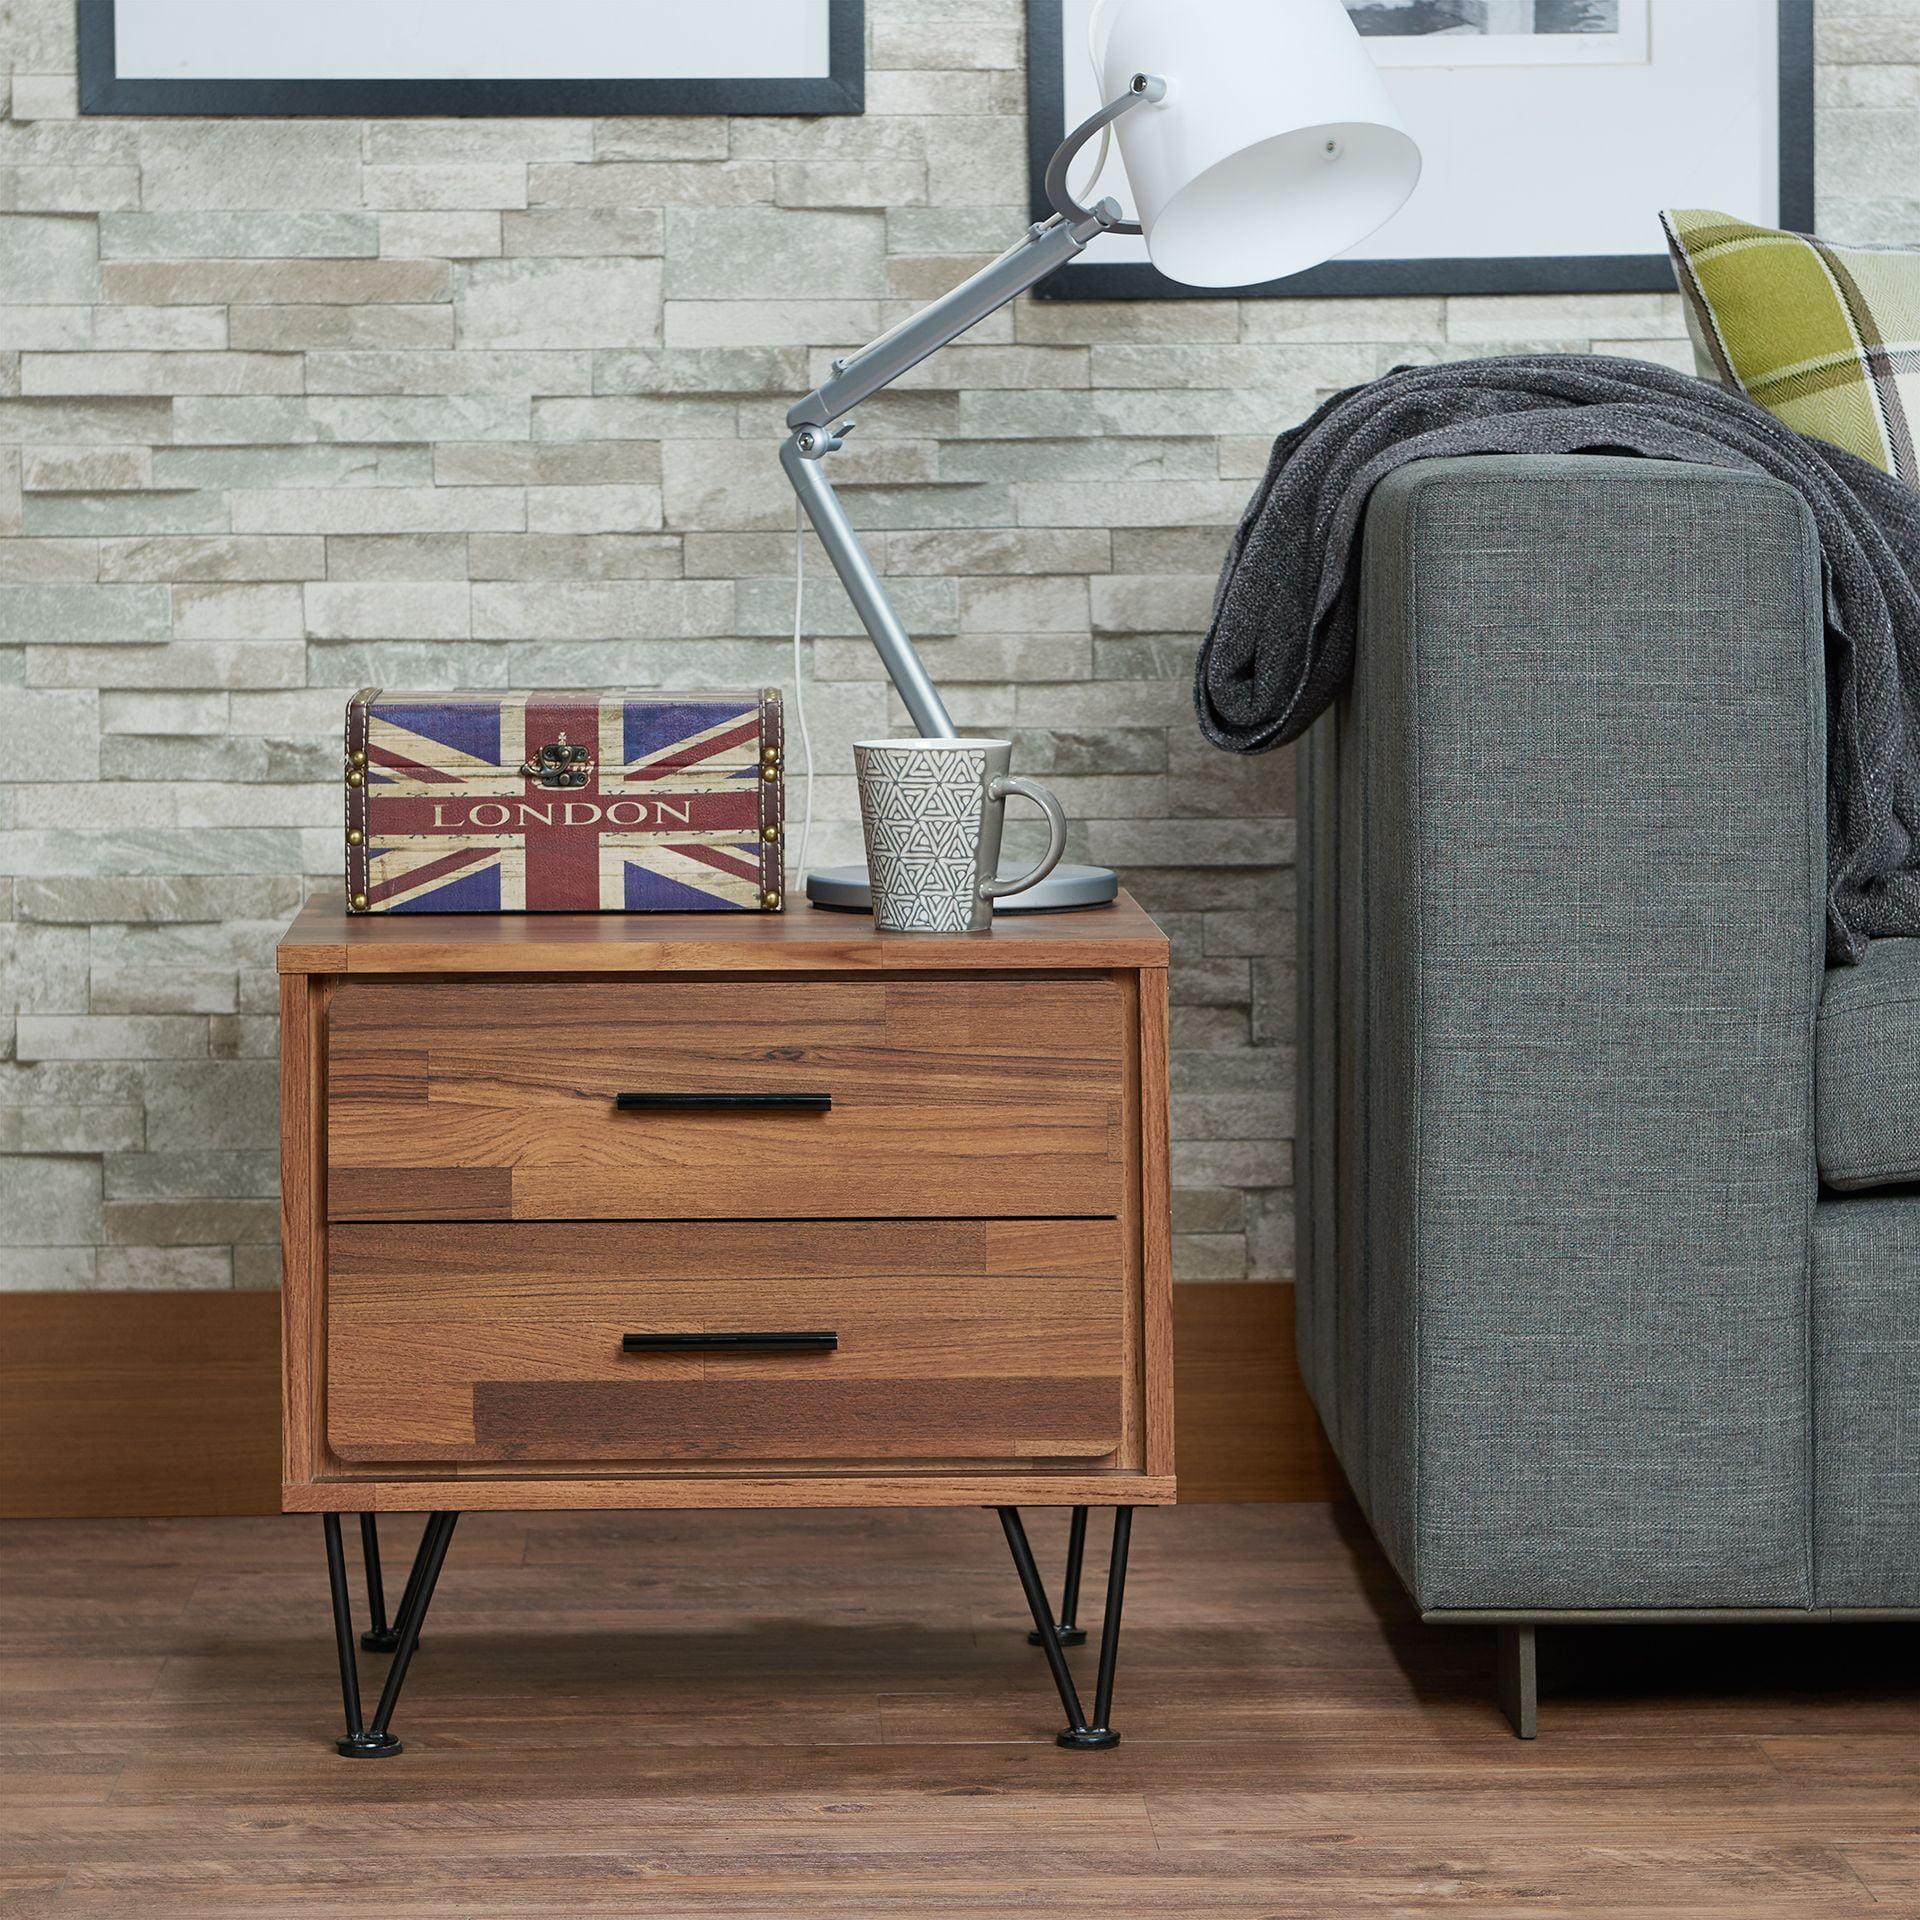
{"x": 485, "y": 1099}
{"x": 1152, "y": 1103}
{"x": 303, "y": 1090}
{"x": 995, "y": 1078}
{"x": 492, "y": 1489}
{"x": 326, "y": 939}
{"x": 820, "y": 1716}
{"x": 1247, "y": 1429}
{"x": 138, "y": 1403}
{"x": 729, "y": 1421}
{"x": 957, "y": 1339}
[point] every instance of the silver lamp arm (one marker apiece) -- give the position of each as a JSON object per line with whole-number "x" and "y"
{"x": 1144, "y": 89}
{"x": 1045, "y": 246}
{"x": 1039, "y": 251}
{"x": 803, "y": 456}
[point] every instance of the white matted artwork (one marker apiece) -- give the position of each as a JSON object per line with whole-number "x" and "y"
{"x": 353, "y": 57}
{"x": 1502, "y": 33}
{"x": 1551, "y": 133}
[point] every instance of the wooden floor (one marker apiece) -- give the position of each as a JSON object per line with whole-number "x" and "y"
{"x": 838, "y": 1715}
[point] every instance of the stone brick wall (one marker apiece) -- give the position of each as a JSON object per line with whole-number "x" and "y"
{"x": 290, "y": 407}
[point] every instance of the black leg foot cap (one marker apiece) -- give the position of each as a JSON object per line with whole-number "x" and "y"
{"x": 384, "y": 1642}
{"x": 1069, "y": 1637}
{"x": 368, "y": 1746}
{"x": 1089, "y": 1739}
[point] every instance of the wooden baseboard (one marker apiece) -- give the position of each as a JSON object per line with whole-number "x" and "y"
{"x": 169, "y": 1403}
{"x": 139, "y": 1403}
{"x": 1245, "y": 1429}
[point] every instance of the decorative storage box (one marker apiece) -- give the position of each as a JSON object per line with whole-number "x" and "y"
{"x": 563, "y": 802}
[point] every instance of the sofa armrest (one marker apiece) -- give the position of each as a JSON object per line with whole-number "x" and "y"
{"x": 1562, "y": 874}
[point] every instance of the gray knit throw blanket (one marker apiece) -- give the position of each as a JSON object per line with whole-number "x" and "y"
{"x": 1280, "y": 644}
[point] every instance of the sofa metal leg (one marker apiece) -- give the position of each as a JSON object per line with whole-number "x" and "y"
{"x": 1517, "y": 1679}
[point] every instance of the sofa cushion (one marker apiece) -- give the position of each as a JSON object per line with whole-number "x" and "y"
{"x": 1867, "y": 1069}
{"x": 1814, "y": 332}
{"x": 1866, "y": 1402}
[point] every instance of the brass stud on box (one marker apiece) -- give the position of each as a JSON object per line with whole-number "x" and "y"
{"x": 359, "y": 903}
{"x": 770, "y": 900}
{"x": 354, "y": 836}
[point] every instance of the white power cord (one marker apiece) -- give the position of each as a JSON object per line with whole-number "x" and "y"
{"x": 1085, "y": 195}
{"x": 799, "y": 679}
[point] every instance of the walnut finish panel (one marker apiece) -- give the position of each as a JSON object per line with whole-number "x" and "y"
{"x": 958, "y": 1340}
{"x": 327, "y": 939}
{"x": 494, "y": 1099}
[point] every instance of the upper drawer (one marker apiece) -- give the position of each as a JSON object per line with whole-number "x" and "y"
{"x": 497, "y": 1100}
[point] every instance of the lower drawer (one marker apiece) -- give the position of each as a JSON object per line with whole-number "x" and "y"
{"x": 950, "y": 1340}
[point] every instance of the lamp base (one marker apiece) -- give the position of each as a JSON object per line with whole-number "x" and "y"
{"x": 1065, "y": 886}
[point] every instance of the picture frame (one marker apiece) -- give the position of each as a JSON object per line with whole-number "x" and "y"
{"x": 1117, "y": 269}
{"x": 348, "y": 59}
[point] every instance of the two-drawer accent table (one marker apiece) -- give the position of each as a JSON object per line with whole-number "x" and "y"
{"x": 706, "y": 1210}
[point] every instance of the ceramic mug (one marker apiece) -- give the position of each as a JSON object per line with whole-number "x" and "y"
{"x": 932, "y": 812}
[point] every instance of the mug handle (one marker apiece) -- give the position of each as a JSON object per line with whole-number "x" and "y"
{"x": 999, "y": 789}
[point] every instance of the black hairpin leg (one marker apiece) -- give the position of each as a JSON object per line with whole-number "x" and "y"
{"x": 371, "y": 1740}
{"x": 382, "y": 1636}
{"x": 1078, "y": 1732}
{"x": 379, "y": 1637}
{"x": 1071, "y": 1634}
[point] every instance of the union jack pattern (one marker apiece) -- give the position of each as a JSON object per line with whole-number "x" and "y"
{"x": 563, "y": 802}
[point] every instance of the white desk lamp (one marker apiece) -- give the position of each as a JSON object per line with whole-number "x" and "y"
{"x": 1258, "y": 140}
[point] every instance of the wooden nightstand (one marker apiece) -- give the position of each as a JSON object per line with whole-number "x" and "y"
{"x": 723, "y": 1211}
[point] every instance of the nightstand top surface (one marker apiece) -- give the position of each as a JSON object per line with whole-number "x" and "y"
{"x": 325, "y": 938}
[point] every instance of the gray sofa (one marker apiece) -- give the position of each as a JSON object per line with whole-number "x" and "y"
{"x": 1609, "y": 1284}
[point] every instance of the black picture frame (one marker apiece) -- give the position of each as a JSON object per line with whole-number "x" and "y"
{"x": 1571, "y": 273}
{"x": 103, "y": 91}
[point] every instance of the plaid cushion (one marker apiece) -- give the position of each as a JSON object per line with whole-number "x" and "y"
{"x": 1823, "y": 337}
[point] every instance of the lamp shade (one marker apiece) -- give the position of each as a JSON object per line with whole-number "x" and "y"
{"x": 1276, "y": 146}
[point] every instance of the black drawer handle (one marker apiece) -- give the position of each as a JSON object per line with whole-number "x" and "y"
{"x": 729, "y": 1342}
{"x": 723, "y": 1102}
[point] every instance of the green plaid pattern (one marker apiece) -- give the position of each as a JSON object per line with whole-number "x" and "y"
{"x": 1826, "y": 338}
